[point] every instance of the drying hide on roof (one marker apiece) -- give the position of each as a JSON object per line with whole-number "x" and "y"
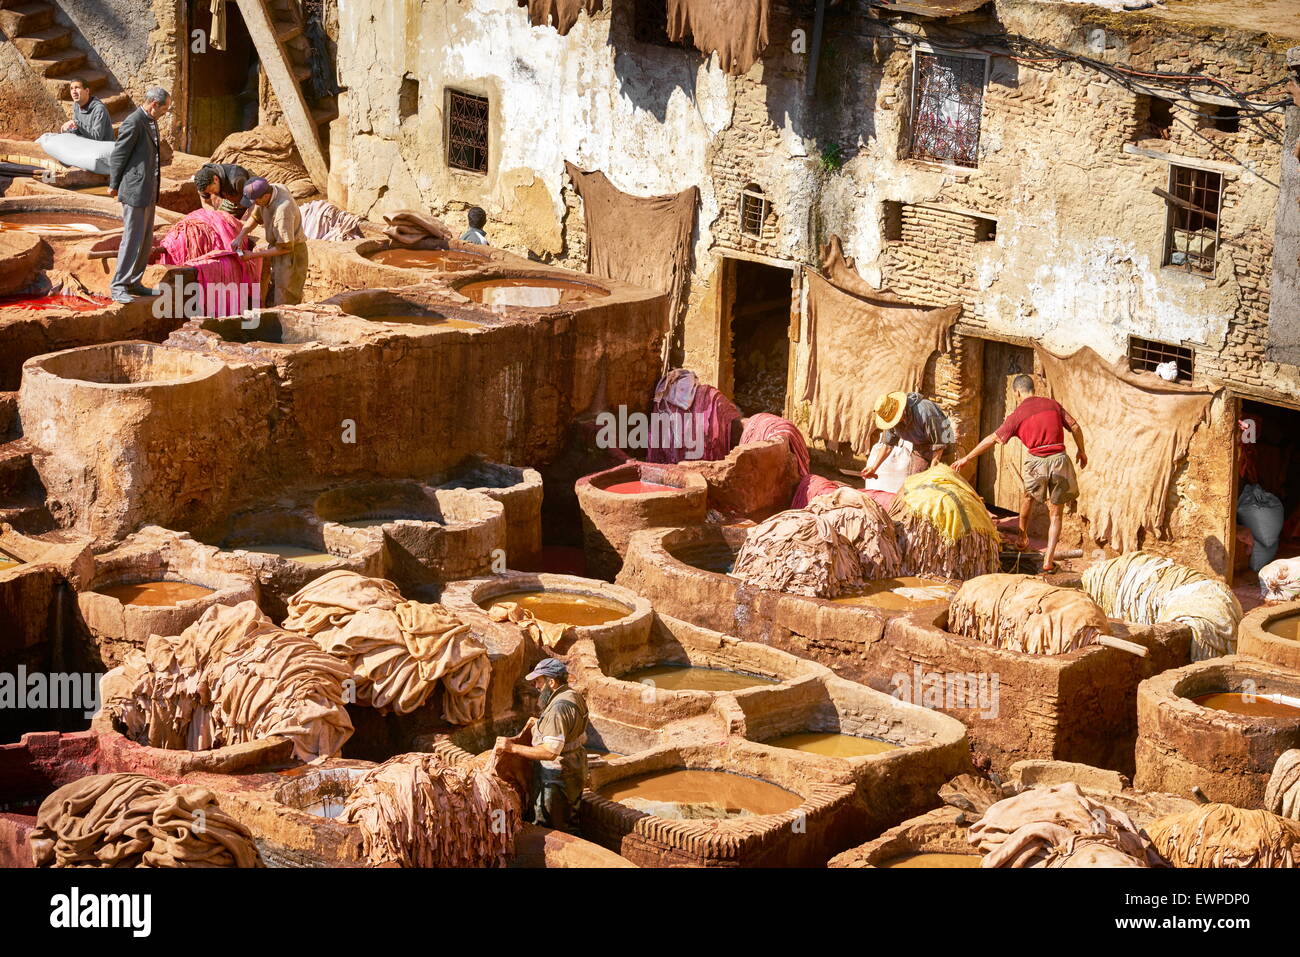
{"x": 397, "y": 650}
{"x": 130, "y": 820}
{"x": 644, "y": 240}
{"x": 417, "y": 810}
{"x": 861, "y": 348}
{"x": 736, "y": 30}
{"x": 1221, "y": 835}
{"x": 232, "y": 677}
{"x": 1282, "y": 795}
{"x": 269, "y": 152}
{"x": 1147, "y": 590}
{"x": 1022, "y": 613}
{"x": 798, "y": 552}
{"x": 864, "y": 525}
{"x": 561, "y": 14}
{"x": 1045, "y": 827}
{"x": 1138, "y": 428}
{"x": 944, "y": 529}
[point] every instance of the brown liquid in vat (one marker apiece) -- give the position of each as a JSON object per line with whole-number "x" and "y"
{"x": 684, "y": 793}
{"x": 933, "y": 859}
{"x": 879, "y": 593}
{"x": 1236, "y": 703}
{"x": 832, "y": 745}
{"x": 441, "y": 322}
{"x": 296, "y": 553}
{"x": 527, "y": 292}
{"x": 7, "y": 562}
{"x": 1288, "y": 627}
{"x": 563, "y": 608}
{"x": 426, "y": 258}
{"x": 154, "y": 593}
{"x": 688, "y": 678}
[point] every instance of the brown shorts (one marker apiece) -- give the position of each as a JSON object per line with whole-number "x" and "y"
{"x": 1051, "y": 479}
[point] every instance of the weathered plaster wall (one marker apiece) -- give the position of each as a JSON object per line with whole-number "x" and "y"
{"x": 25, "y": 104}
{"x": 1284, "y": 312}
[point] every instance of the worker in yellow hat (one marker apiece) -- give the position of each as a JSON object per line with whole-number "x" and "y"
{"x": 912, "y": 419}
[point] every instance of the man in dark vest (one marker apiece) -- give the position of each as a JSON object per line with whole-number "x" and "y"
{"x": 559, "y": 739}
{"x": 133, "y": 177}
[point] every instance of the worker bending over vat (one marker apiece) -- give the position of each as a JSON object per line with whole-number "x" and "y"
{"x": 275, "y": 211}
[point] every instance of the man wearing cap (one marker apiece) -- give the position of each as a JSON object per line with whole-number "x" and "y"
{"x": 910, "y": 417}
{"x": 286, "y": 242}
{"x": 1048, "y": 474}
{"x": 559, "y": 738}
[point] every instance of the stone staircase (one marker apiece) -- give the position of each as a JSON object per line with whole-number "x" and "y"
{"x": 58, "y": 55}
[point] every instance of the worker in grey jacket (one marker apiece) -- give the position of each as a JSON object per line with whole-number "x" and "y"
{"x": 133, "y": 177}
{"x": 89, "y": 114}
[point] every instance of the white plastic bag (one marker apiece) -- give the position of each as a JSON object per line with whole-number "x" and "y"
{"x": 79, "y": 151}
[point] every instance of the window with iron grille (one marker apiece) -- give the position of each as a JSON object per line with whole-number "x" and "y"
{"x": 753, "y": 211}
{"x": 1192, "y": 237}
{"x": 947, "y": 97}
{"x": 1145, "y": 354}
{"x": 467, "y": 132}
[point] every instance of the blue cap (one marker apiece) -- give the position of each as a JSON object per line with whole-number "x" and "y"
{"x": 549, "y": 668}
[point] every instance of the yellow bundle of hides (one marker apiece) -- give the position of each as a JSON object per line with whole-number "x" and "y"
{"x": 866, "y": 526}
{"x": 1022, "y": 613}
{"x": 1282, "y": 795}
{"x": 129, "y": 820}
{"x": 418, "y": 810}
{"x": 397, "y": 650}
{"x": 799, "y": 552}
{"x": 944, "y": 529}
{"x": 1221, "y": 835}
{"x": 1059, "y": 826}
{"x": 1147, "y": 590}
{"x": 232, "y": 677}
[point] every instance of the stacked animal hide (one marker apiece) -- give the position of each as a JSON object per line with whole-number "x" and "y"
{"x": 268, "y": 151}
{"x": 864, "y": 525}
{"x": 943, "y": 527}
{"x": 1282, "y": 795}
{"x": 1221, "y": 835}
{"x": 1022, "y": 613}
{"x": 799, "y": 552}
{"x": 130, "y": 820}
{"x": 415, "y": 230}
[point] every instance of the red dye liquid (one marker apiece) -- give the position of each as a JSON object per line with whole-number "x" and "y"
{"x": 639, "y": 488}
{"x": 40, "y": 303}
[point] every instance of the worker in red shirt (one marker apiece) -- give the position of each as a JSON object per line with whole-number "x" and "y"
{"x": 1040, "y": 424}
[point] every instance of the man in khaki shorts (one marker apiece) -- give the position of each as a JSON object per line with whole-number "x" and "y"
{"x": 1040, "y": 424}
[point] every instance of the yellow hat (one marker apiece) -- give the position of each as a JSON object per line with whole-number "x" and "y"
{"x": 890, "y": 408}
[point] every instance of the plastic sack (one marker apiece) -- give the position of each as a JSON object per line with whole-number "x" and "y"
{"x": 73, "y": 150}
{"x": 1262, "y": 512}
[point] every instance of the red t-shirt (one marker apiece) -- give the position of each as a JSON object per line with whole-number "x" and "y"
{"x": 1040, "y": 423}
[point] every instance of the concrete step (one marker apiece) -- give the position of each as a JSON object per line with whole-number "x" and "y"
{"x": 95, "y": 79}
{"x": 287, "y": 31}
{"x": 119, "y": 106}
{"x": 26, "y": 18}
{"x": 60, "y": 63}
{"x": 42, "y": 43}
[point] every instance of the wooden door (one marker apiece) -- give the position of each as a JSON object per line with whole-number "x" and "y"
{"x": 999, "y": 481}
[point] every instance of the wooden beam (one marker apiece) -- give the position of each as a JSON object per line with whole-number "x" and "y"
{"x": 279, "y": 71}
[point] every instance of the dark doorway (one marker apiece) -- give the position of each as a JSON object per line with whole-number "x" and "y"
{"x": 998, "y": 480}
{"x": 760, "y": 335}
{"x": 223, "y": 84}
{"x": 1268, "y": 455}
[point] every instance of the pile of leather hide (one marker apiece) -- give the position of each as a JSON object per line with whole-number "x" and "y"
{"x": 1221, "y": 835}
{"x": 1022, "y": 613}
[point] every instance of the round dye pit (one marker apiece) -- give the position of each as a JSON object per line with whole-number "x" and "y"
{"x": 294, "y": 553}
{"x": 1256, "y": 705}
{"x": 322, "y": 793}
{"x": 437, "y": 259}
{"x": 154, "y": 594}
{"x": 54, "y": 222}
{"x": 832, "y": 745}
{"x": 1288, "y": 627}
{"x": 529, "y": 292}
{"x": 564, "y": 608}
{"x": 8, "y": 561}
{"x": 933, "y": 859}
{"x": 690, "y": 678}
{"x": 101, "y": 190}
{"x": 44, "y": 303}
{"x": 129, "y": 363}
{"x": 687, "y": 794}
{"x": 899, "y": 594}
{"x": 639, "y": 488}
{"x": 432, "y": 321}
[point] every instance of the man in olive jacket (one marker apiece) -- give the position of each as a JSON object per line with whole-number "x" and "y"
{"x": 134, "y": 170}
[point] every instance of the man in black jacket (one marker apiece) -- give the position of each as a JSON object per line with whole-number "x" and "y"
{"x": 133, "y": 177}
{"x": 89, "y": 114}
